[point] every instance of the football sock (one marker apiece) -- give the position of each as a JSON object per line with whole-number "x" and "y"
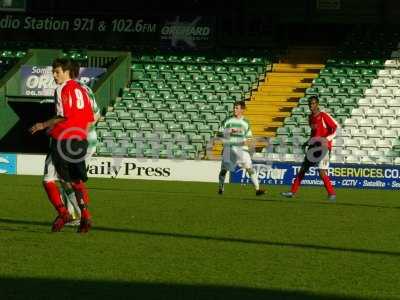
{"x": 81, "y": 192}
{"x": 254, "y": 179}
{"x": 54, "y": 196}
{"x": 221, "y": 177}
{"x": 71, "y": 203}
{"x": 297, "y": 182}
{"x": 84, "y": 212}
{"x": 328, "y": 185}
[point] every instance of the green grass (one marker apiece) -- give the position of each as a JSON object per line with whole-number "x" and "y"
{"x": 179, "y": 240}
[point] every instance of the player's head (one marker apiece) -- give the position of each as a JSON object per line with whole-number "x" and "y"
{"x": 63, "y": 70}
{"x": 313, "y": 104}
{"x": 239, "y": 108}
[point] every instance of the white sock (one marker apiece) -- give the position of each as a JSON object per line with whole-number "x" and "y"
{"x": 254, "y": 180}
{"x": 71, "y": 204}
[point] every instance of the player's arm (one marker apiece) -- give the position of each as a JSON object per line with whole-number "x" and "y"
{"x": 92, "y": 99}
{"x": 249, "y": 137}
{"x": 222, "y": 130}
{"x": 47, "y": 124}
{"x": 332, "y": 125}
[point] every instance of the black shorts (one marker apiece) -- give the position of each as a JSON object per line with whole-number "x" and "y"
{"x": 316, "y": 158}
{"x": 69, "y": 159}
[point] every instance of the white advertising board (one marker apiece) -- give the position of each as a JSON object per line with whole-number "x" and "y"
{"x": 133, "y": 168}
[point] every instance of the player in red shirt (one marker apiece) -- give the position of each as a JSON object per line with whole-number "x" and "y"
{"x": 323, "y": 130}
{"x": 68, "y": 144}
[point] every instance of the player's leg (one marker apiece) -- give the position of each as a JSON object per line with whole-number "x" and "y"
{"x": 323, "y": 167}
{"x": 69, "y": 194}
{"x": 69, "y": 198}
{"x": 49, "y": 183}
{"x": 244, "y": 161}
{"x": 221, "y": 178}
{"x": 297, "y": 181}
{"x": 254, "y": 179}
{"x": 79, "y": 177}
{"x": 54, "y": 194}
{"x": 228, "y": 163}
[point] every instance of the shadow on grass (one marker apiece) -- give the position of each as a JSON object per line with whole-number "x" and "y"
{"x": 32, "y": 288}
{"x": 202, "y": 237}
{"x": 312, "y": 202}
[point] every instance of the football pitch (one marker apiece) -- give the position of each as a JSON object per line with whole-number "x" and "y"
{"x": 181, "y": 240}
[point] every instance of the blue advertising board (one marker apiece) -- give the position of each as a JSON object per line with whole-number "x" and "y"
{"x": 342, "y": 175}
{"x": 38, "y": 80}
{"x": 8, "y": 163}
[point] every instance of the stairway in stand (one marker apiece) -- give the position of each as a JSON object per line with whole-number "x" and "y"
{"x": 278, "y": 94}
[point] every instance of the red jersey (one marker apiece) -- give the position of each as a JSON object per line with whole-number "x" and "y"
{"x": 73, "y": 104}
{"x": 323, "y": 125}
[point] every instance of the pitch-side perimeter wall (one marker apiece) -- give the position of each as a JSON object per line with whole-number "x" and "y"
{"x": 277, "y": 173}
{"x": 342, "y": 175}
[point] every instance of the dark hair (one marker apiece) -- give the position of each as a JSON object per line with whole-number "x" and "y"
{"x": 313, "y": 98}
{"x": 75, "y": 69}
{"x": 67, "y": 64}
{"x": 240, "y": 103}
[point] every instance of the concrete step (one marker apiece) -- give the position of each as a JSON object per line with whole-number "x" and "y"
{"x": 300, "y": 65}
{"x": 284, "y": 94}
{"x": 260, "y": 96}
{"x": 295, "y": 70}
{"x": 280, "y": 88}
{"x": 276, "y": 103}
{"x": 293, "y": 75}
{"x": 286, "y": 80}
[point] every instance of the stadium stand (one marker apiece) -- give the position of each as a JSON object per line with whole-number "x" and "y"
{"x": 362, "y": 94}
{"x": 179, "y": 100}
{"x": 8, "y": 58}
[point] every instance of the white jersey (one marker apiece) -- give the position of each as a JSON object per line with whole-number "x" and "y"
{"x": 235, "y": 132}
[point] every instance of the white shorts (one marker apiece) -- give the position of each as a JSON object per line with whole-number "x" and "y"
{"x": 235, "y": 156}
{"x": 50, "y": 173}
{"x": 324, "y": 162}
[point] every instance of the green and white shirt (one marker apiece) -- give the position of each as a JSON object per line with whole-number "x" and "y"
{"x": 235, "y": 132}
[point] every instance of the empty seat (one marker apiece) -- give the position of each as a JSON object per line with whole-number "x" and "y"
{"x": 395, "y": 73}
{"x": 393, "y": 102}
{"x": 383, "y": 144}
{"x": 390, "y": 82}
{"x": 384, "y": 73}
{"x": 378, "y": 102}
{"x": 351, "y": 143}
{"x": 357, "y": 132}
{"x": 391, "y": 63}
{"x": 384, "y": 160}
{"x": 365, "y": 123}
{"x": 372, "y": 112}
{"x": 374, "y": 133}
{"x": 352, "y": 159}
{"x": 380, "y": 123}
{"x": 371, "y": 92}
{"x": 367, "y": 160}
{"x": 394, "y": 123}
{"x": 367, "y": 144}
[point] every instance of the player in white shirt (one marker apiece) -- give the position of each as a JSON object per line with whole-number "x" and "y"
{"x": 236, "y": 134}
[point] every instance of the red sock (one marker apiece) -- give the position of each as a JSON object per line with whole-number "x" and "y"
{"x": 85, "y": 213}
{"x": 297, "y": 182}
{"x": 328, "y": 185}
{"x": 81, "y": 192}
{"x": 54, "y": 196}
